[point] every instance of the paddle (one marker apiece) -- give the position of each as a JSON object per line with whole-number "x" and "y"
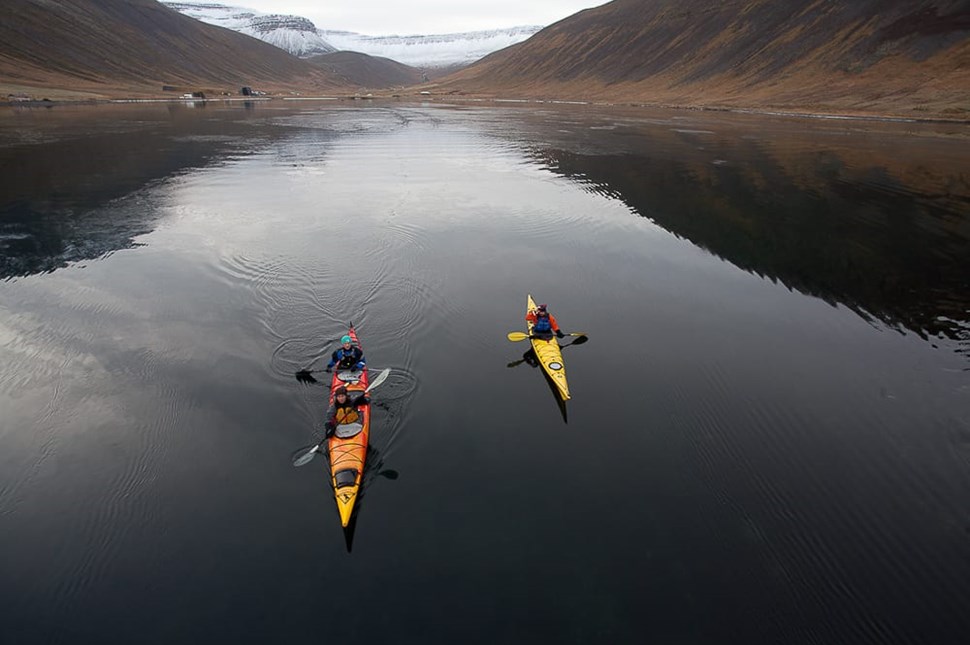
{"x": 516, "y": 336}
{"x": 306, "y": 457}
{"x": 306, "y": 375}
{"x": 579, "y": 341}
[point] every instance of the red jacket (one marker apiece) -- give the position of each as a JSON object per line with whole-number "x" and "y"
{"x": 531, "y": 318}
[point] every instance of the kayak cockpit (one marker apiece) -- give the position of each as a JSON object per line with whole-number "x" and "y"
{"x": 348, "y": 430}
{"x": 346, "y": 477}
{"x": 349, "y": 376}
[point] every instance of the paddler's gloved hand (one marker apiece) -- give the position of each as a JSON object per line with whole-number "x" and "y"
{"x": 330, "y": 429}
{"x": 559, "y": 333}
{"x": 328, "y": 370}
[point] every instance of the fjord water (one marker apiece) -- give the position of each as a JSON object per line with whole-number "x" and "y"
{"x": 769, "y": 437}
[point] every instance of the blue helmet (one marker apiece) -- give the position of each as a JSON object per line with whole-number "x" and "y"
{"x": 346, "y": 339}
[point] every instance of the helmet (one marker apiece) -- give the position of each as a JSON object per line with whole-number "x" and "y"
{"x": 541, "y": 307}
{"x": 345, "y": 339}
{"x": 340, "y": 390}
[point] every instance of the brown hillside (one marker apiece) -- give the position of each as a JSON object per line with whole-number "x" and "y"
{"x": 107, "y": 46}
{"x": 896, "y": 56}
{"x": 365, "y": 71}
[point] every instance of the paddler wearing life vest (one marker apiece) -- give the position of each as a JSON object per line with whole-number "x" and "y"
{"x": 344, "y": 409}
{"x": 543, "y": 323}
{"x": 347, "y": 357}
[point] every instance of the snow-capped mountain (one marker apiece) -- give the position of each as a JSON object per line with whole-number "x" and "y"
{"x": 294, "y": 34}
{"x": 442, "y": 50}
{"x": 300, "y": 37}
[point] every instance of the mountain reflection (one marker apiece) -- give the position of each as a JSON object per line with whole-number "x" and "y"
{"x": 889, "y": 245}
{"x": 67, "y": 171}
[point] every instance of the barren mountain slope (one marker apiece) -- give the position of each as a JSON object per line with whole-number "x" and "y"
{"x": 370, "y": 72}
{"x": 899, "y": 56}
{"x": 103, "y": 45}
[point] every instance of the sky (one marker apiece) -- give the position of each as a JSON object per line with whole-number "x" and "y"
{"x": 385, "y": 17}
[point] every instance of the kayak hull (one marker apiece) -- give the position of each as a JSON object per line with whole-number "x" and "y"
{"x": 347, "y": 455}
{"x": 550, "y": 356}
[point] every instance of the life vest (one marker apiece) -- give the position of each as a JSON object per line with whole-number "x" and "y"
{"x": 347, "y": 358}
{"x": 542, "y": 324}
{"x": 345, "y": 414}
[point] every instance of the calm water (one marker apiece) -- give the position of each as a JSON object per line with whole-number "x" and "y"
{"x": 769, "y": 440}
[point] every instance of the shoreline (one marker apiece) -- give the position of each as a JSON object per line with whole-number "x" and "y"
{"x": 412, "y": 96}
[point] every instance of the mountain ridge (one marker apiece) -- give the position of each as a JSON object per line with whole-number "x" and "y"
{"x": 366, "y": 71}
{"x": 294, "y": 34}
{"x": 901, "y": 58}
{"x": 893, "y": 56}
{"x": 135, "y": 47}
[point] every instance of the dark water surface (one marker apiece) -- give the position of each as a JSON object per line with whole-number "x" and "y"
{"x": 769, "y": 440}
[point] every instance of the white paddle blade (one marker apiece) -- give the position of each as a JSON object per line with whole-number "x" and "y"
{"x": 306, "y": 457}
{"x": 380, "y": 379}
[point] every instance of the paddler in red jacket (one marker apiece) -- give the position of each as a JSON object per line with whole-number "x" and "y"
{"x": 543, "y": 323}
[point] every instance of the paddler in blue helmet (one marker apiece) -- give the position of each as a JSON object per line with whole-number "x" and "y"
{"x": 347, "y": 357}
{"x": 543, "y": 323}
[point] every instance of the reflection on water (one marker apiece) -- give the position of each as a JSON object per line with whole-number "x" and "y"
{"x": 865, "y": 216}
{"x": 885, "y": 249}
{"x": 742, "y": 461}
{"x": 529, "y": 358}
{"x": 74, "y": 179}
{"x": 861, "y": 219}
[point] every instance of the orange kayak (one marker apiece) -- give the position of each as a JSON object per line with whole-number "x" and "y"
{"x": 347, "y": 448}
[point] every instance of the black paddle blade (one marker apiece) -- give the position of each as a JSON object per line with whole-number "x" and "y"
{"x": 580, "y": 340}
{"x": 390, "y": 474}
{"x": 304, "y": 376}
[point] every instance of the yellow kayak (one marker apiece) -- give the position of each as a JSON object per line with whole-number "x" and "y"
{"x": 550, "y": 356}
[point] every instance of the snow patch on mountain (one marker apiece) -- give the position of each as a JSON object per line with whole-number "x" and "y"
{"x": 295, "y": 34}
{"x": 300, "y": 37}
{"x": 441, "y": 50}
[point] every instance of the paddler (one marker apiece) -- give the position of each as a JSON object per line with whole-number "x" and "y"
{"x": 344, "y": 409}
{"x": 544, "y": 324}
{"x": 347, "y": 357}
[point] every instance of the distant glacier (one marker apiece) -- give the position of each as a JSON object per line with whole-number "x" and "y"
{"x": 441, "y": 50}
{"x": 301, "y": 37}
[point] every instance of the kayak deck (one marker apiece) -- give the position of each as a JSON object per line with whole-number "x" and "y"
{"x": 550, "y": 356}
